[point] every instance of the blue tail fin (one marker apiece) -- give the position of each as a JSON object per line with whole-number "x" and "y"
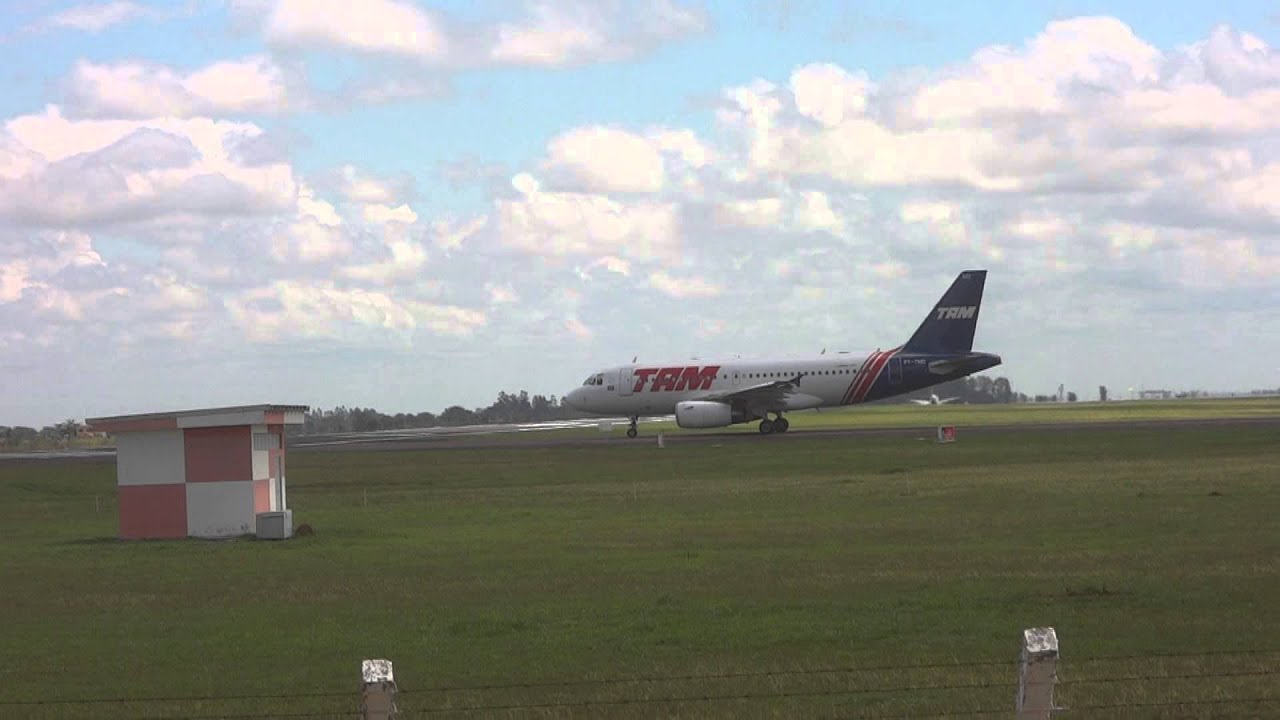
{"x": 949, "y": 327}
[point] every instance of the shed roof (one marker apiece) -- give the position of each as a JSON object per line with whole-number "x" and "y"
{"x": 275, "y": 414}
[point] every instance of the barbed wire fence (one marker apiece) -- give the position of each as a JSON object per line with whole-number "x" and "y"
{"x": 1242, "y": 683}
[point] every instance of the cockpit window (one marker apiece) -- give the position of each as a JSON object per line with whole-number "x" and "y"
{"x": 595, "y": 380}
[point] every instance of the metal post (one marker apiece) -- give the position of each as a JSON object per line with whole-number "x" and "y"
{"x": 1038, "y": 674}
{"x": 280, "y": 479}
{"x": 661, "y": 442}
{"x": 377, "y": 691}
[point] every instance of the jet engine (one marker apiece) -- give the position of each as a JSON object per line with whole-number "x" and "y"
{"x": 707, "y": 414}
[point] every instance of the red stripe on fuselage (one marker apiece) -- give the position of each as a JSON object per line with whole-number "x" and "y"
{"x": 860, "y": 394}
{"x": 857, "y": 377}
{"x": 873, "y": 371}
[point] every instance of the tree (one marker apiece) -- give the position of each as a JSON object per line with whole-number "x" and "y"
{"x": 1002, "y": 391}
{"x": 1102, "y": 393}
{"x": 457, "y": 415}
{"x": 1071, "y": 397}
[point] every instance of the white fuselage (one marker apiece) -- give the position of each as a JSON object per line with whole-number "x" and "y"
{"x": 645, "y": 388}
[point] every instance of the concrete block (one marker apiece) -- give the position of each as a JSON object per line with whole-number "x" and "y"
{"x": 276, "y": 525}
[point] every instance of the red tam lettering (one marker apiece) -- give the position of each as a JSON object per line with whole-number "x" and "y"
{"x": 642, "y": 377}
{"x": 695, "y": 378}
{"x": 666, "y": 379}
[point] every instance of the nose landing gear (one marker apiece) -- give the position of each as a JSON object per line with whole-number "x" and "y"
{"x": 632, "y": 431}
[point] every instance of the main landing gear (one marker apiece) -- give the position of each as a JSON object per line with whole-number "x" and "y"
{"x": 632, "y": 431}
{"x": 778, "y": 425}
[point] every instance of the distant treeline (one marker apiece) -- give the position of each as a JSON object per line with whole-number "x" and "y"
{"x": 975, "y": 389}
{"x": 68, "y": 433}
{"x": 508, "y": 408}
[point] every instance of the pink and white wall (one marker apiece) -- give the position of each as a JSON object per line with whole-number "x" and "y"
{"x": 202, "y": 473}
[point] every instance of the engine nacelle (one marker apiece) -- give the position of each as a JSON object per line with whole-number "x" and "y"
{"x": 707, "y": 414}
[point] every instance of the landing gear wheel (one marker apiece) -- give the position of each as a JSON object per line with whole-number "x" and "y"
{"x": 780, "y": 425}
{"x": 632, "y": 432}
{"x": 766, "y": 426}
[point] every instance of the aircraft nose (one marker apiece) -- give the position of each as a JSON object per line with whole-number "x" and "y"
{"x": 574, "y": 399}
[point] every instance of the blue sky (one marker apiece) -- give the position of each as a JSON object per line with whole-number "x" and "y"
{"x": 544, "y": 188}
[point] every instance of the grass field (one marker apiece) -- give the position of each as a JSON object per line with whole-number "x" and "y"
{"x": 764, "y": 561}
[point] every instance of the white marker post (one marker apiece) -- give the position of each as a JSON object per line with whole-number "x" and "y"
{"x": 377, "y": 691}
{"x": 661, "y": 443}
{"x": 1037, "y": 674}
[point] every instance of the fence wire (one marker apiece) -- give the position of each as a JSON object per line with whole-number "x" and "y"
{"x": 596, "y": 684}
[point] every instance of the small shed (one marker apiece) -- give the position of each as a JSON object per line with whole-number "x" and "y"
{"x": 199, "y": 473}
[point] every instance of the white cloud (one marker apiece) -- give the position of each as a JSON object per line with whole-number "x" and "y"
{"x": 570, "y": 32}
{"x": 386, "y": 27}
{"x": 361, "y": 187}
{"x": 552, "y": 37}
{"x": 133, "y": 89}
{"x": 309, "y": 240}
{"x": 577, "y": 328}
{"x": 829, "y": 94}
{"x": 501, "y": 294}
{"x": 312, "y": 208}
{"x": 814, "y": 212}
{"x": 289, "y": 308}
{"x": 95, "y": 17}
{"x": 685, "y": 287}
{"x": 890, "y": 270}
{"x": 448, "y": 234}
{"x": 383, "y": 214}
{"x": 614, "y": 265}
{"x": 15, "y": 277}
{"x": 755, "y": 212}
{"x": 1039, "y": 226}
{"x": 1088, "y": 106}
{"x": 548, "y": 35}
{"x": 407, "y": 258}
{"x": 168, "y": 292}
{"x": 1212, "y": 262}
{"x": 103, "y": 171}
{"x": 562, "y": 223}
{"x": 685, "y": 145}
{"x": 1099, "y": 51}
{"x": 602, "y": 159}
{"x": 55, "y": 275}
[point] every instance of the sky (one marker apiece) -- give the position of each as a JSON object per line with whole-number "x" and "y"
{"x": 410, "y": 205}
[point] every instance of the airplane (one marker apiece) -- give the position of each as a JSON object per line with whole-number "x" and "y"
{"x": 719, "y": 394}
{"x": 933, "y": 400}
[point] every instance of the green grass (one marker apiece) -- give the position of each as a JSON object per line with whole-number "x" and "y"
{"x": 478, "y": 566}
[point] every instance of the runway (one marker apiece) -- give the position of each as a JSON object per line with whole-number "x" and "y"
{"x": 475, "y": 438}
{"x": 539, "y": 435}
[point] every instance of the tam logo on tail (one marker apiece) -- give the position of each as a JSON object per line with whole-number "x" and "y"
{"x": 965, "y": 312}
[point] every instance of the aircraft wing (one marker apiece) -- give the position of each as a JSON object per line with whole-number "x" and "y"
{"x": 947, "y": 400}
{"x": 769, "y": 395}
{"x": 921, "y": 402}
